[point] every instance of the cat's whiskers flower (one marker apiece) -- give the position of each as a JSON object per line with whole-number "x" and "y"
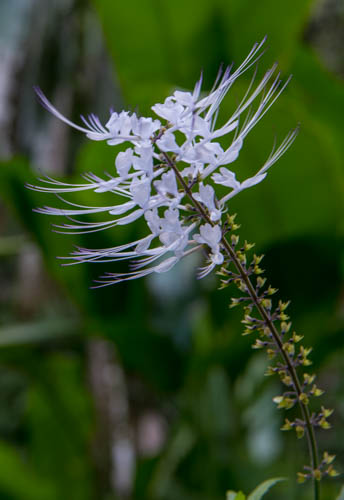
{"x": 168, "y": 160}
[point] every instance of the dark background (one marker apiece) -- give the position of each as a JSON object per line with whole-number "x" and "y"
{"x": 147, "y": 390}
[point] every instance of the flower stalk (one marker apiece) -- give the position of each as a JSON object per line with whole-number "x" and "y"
{"x": 286, "y": 350}
{"x": 168, "y": 175}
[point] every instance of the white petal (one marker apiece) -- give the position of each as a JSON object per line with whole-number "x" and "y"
{"x": 124, "y": 161}
{"x": 170, "y": 110}
{"x": 252, "y": 181}
{"x": 144, "y": 244}
{"x": 184, "y": 98}
{"x": 217, "y": 258}
{"x": 166, "y": 265}
{"x": 226, "y": 129}
{"x": 144, "y": 161}
{"x": 232, "y": 153}
{"x": 168, "y": 143}
{"x": 210, "y": 235}
{"x": 167, "y": 184}
{"x": 226, "y": 178}
{"x": 145, "y": 127}
{"x": 141, "y": 192}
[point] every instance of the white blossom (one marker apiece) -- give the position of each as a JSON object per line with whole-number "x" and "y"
{"x": 206, "y": 195}
{"x": 170, "y": 163}
{"x": 211, "y": 236}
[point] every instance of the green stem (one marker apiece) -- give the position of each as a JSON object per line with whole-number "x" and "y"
{"x": 312, "y": 445}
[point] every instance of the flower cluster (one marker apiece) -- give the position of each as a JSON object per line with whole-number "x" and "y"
{"x": 168, "y": 159}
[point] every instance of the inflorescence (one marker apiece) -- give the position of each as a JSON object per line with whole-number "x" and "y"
{"x": 148, "y": 173}
{"x": 168, "y": 175}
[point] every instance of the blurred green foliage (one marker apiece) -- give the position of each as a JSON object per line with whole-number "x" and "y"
{"x": 257, "y": 494}
{"x": 175, "y": 336}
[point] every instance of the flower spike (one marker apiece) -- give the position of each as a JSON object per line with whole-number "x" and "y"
{"x": 168, "y": 176}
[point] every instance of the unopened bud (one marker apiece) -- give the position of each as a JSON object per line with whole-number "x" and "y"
{"x": 301, "y": 477}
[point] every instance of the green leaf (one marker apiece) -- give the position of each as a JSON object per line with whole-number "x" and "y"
{"x": 59, "y": 420}
{"x": 14, "y": 175}
{"x": 247, "y": 22}
{"x": 40, "y": 331}
{"x": 140, "y": 60}
{"x": 19, "y": 479}
{"x": 170, "y": 47}
{"x": 260, "y": 491}
{"x": 178, "y": 447}
{"x": 231, "y": 495}
{"x": 341, "y": 494}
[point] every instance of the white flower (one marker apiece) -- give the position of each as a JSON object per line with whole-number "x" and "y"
{"x": 165, "y": 168}
{"x": 226, "y": 178}
{"x": 201, "y": 152}
{"x": 143, "y": 162}
{"x": 124, "y": 161}
{"x": 206, "y": 196}
{"x": 211, "y": 236}
{"x": 170, "y": 110}
{"x": 167, "y": 187}
{"x": 168, "y": 143}
{"x": 144, "y": 127}
{"x": 119, "y": 126}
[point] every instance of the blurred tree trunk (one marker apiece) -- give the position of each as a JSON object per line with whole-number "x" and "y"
{"x": 58, "y": 46}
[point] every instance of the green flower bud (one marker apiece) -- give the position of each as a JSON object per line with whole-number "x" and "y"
{"x": 269, "y": 371}
{"x": 258, "y": 344}
{"x": 257, "y": 259}
{"x": 260, "y": 282}
{"x": 287, "y": 380}
{"x": 315, "y": 391}
{"x": 257, "y": 270}
{"x": 284, "y": 402}
{"x": 326, "y": 412}
{"x": 242, "y": 287}
{"x": 285, "y": 327}
{"x": 301, "y": 477}
{"x": 317, "y": 474}
{"x": 289, "y": 348}
{"x": 235, "y": 302}
{"x": 248, "y": 246}
{"x": 327, "y": 458}
{"x": 283, "y": 305}
{"x": 287, "y": 425}
{"x": 266, "y": 303}
{"x": 308, "y": 379}
{"x": 324, "y": 424}
{"x": 297, "y": 338}
{"x": 332, "y": 472}
{"x": 304, "y": 398}
{"x": 234, "y": 239}
{"x": 300, "y": 431}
